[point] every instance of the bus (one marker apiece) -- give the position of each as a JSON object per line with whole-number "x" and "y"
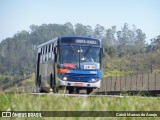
{"x": 72, "y": 63}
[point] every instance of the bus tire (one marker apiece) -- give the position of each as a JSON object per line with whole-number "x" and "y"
{"x": 89, "y": 90}
{"x": 73, "y": 90}
{"x": 55, "y": 89}
{"x": 39, "y": 81}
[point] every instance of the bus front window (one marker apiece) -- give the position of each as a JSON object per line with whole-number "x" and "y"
{"x": 68, "y": 55}
{"x": 90, "y": 54}
{"x": 90, "y": 57}
{"x": 79, "y": 57}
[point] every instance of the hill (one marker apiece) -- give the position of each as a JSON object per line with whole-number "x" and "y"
{"x": 124, "y": 48}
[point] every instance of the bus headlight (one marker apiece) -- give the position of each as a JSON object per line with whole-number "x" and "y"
{"x": 95, "y": 79}
{"x": 65, "y": 78}
{"x": 98, "y": 66}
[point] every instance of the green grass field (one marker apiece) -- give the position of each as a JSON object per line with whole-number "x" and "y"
{"x": 48, "y": 102}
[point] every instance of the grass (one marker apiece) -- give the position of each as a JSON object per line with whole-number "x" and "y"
{"x": 48, "y": 102}
{"x": 26, "y": 83}
{"x": 107, "y": 73}
{"x": 5, "y": 77}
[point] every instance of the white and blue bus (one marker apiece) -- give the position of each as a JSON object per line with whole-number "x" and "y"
{"x": 73, "y": 63}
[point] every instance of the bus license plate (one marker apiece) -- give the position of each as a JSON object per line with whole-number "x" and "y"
{"x": 78, "y": 84}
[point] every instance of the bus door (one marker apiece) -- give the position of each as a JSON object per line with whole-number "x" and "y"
{"x": 53, "y": 74}
{"x": 39, "y": 60}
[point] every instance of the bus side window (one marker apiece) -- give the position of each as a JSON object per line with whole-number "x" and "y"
{"x": 43, "y": 58}
{"x": 49, "y": 48}
{"x": 41, "y": 55}
{"x": 46, "y": 49}
{"x": 52, "y": 47}
{"x": 43, "y": 50}
{"x": 52, "y": 51}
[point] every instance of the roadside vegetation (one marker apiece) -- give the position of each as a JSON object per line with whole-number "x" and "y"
{"x": 17, "y": 83}
{"x": 48, "y": 102}
{"x": 132, "y": 64}
{"x": 126, "y": 53}
{"x": 125, "y": 49}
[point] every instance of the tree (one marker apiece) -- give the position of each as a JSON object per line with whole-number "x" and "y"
{"x": 99, "y": 31}
{"x": 110, "y": 41}
{"x": 80, "y": 30}
{"x": 130, "y": 41}
{"x": 139, "y": 42}
{"x": 69, "y": 29}
{"x": 17, "y": 54}
{"x": 155, "y": 43}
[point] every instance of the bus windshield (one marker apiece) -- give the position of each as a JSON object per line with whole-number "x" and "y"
{"x": 79, "y": 57}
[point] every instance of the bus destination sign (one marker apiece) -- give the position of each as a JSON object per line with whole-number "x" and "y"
{"x": 86, "y": 41}
{"x": 80, "y": 41}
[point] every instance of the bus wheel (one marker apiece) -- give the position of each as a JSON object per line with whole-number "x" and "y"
{"x": 89, "y": 90}
{"x": 55, "y": 89}
{"x": 43, "y": 91}
{"x": 73, "y": 90}
{"x": 39, "y": 81}
{"x": 38, "y": 85}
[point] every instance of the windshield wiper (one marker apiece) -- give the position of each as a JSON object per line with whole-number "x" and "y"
{"x": 72, "y": 49}
{"x": 87, "y": 50}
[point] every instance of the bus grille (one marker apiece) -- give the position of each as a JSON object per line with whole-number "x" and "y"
{"x": 80, "y": 78}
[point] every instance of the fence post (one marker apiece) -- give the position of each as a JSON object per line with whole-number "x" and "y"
{"x": 151, "y": 68}
{"x": 116, "y": 80}
{"x": 102, "y": 85}
{"x": 111, "y": 84}
{"x": 120, "y": 83}
{"x": 105, "y": 86}
{"x": 115, "y": 83}
{"x": 142, "y": 81}
{"x": 125, "y": 83}
{"x": 106, "y": 83}
{"x": 148, "y": 81}
{"x": 155, "y": 82}
{"x": 131, "y": 83}
{"x": 136, "y": 81}
{"x": 115, "y": 86}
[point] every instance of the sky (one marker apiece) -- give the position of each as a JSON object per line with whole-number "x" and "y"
{"x": 17, "y": 15}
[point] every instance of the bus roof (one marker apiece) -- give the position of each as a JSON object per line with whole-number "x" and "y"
{"x": 74, "y": 37}
{"x": 81, "y": 40}
{"x": 82, "y": 37}
{"x": 48, "y": 42}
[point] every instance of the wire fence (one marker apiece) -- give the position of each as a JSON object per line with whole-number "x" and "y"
{"x": 138, "y": 82}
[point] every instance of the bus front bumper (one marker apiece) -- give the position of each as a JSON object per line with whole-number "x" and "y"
{"x": 80, "y": 84}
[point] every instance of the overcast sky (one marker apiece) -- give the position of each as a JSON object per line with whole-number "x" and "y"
{"x": 17, "y": 15}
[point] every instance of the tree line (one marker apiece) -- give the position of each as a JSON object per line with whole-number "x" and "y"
{"x": 17, "y": 54}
